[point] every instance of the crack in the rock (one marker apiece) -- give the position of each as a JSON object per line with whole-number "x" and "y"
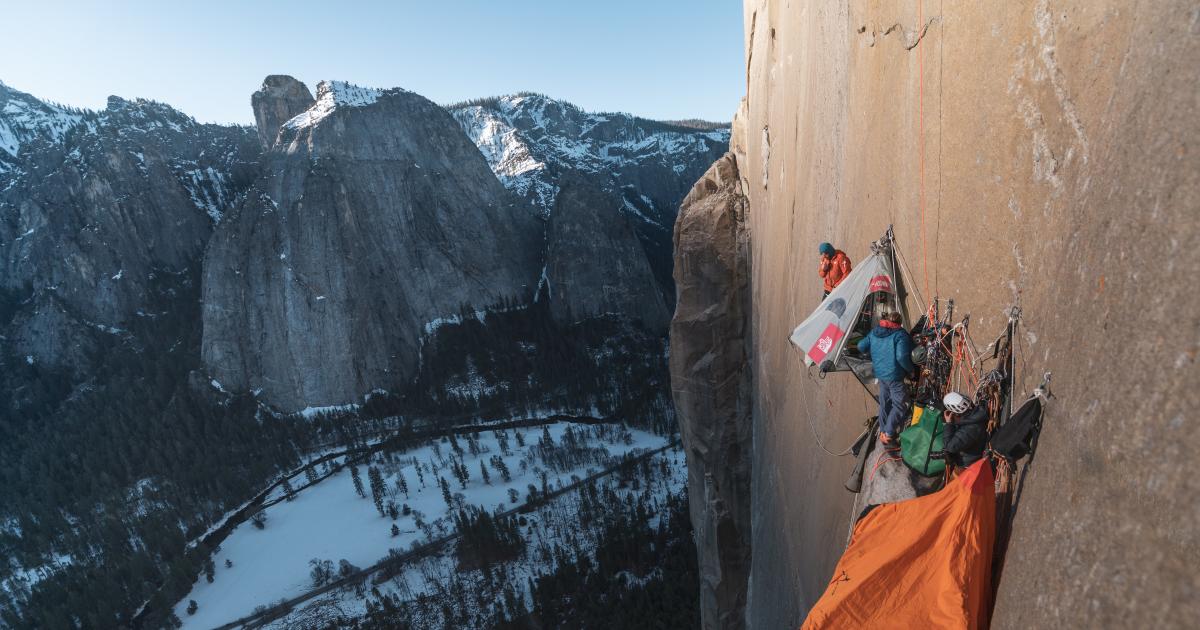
{"x": 750, "y": 48}
{"x": 898, "y": 26}
{"x": 921, "y": 36}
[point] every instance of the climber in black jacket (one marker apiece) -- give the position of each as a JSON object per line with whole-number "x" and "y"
{"x": 964, "y": 435}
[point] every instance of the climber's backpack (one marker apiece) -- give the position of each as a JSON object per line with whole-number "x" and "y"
{"x": 922, "y": 437}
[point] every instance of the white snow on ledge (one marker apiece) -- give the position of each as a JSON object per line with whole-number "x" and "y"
{"x": 330, "y": 96}
{"x": 308, "y": 413}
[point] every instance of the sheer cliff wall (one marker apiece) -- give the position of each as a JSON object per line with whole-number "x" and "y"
{"x": 1058, "y": 142}
{"x": 710, "y": 381}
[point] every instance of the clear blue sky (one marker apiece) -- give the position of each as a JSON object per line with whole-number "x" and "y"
{"x": 655, "y": 58}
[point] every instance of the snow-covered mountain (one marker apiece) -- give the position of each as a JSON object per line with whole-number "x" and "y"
{"x": 436, "y": 231}
{"x": 25, "y": 119}
{"x": 531, "y": 140}
{"x": 620, "y": 167}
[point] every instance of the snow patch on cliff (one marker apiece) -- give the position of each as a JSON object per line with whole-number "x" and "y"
{"x": 330, "y": 96}
{"x": 23, "y": 118}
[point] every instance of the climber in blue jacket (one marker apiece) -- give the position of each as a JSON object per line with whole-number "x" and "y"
{"x": 890, "y": 348}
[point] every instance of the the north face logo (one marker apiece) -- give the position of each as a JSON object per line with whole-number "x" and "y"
{"x": 880, "y": 283}
{"x": 825, "y": 343}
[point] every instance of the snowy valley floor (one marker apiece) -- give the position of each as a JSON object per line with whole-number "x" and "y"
{"x": 332, "y": 521}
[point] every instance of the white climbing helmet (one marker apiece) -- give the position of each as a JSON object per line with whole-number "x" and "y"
{"x": 956, "y": 403}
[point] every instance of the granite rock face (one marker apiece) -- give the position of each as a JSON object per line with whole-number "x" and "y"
{"x": 1057, "y": 140}
{"x": 98, "y": 210}
{"x": 711, "y": 381}
{"x": 375, "y": 220}
{"x": 278, "y": 101}
{"x": 594, "y": 263}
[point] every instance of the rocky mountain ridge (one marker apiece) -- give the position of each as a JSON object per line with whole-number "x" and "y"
{"x": 530, "y": 143}
{"x": 534, "y": 143}
{"x": 374, "y": 217}
{"x": 530, "y": 140}
{"x": 95, "y": 206}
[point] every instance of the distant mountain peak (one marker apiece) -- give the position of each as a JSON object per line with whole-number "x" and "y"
{"x": 280, "y": 99}
{"x": 529, "y": 139}
{"x": 24, "y": 118}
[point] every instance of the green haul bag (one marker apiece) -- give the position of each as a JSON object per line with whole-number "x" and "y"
{"x": 922, "y": 437}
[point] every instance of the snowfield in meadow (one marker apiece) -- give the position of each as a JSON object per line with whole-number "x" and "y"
{"x": 331, "y": 521}
{"x": 425, "y": 583}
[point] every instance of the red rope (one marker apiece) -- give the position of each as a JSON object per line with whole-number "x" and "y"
{"x": 882, "y": 460}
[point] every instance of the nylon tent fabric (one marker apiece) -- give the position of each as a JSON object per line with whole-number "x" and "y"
{"x": 824, "y": 334}
{"x": 922, "y": 563}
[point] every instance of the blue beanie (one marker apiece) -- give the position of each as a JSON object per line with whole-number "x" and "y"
{"x": 826, "y": 249}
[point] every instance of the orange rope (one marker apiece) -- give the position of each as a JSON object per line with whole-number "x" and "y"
{"x": 963, "y": 377}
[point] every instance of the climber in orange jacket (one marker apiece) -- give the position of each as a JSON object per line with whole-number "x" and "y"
{"x": 835, "y": 266}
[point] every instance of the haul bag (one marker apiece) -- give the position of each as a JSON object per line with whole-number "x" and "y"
{"x": 1014, "y": 439}
{"x": 918, "y": 440}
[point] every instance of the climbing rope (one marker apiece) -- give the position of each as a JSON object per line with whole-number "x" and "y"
{"x": 895, "y": 457}
{"x": 963, "y": 377}
{"x": 907, "y": 271}
{"x": 804, "y": 399}
{"x": 808, "y": 416}
{"x": 921, "y": 140}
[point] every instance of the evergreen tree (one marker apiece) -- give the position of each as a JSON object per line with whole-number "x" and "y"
{"x": 498, "y": 464}
{"x": 209, "y": 570}
{"x": 358, "y": 484}
{"x": 395, "y": 530}
{"x": 288, "y": 492}
{"x": 446, "y": 492}
{"x": 483, "y": 471}
{"x": 464, "y": 475}
{"x": 191, "y": 609}
{"x": 377, "y": 488}
{"x": 402, "y": 484}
